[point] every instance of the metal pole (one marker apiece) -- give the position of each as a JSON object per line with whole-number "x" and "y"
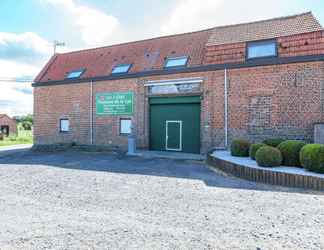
{"x": 225, "y": 108}
{"x": 91, "y": 112}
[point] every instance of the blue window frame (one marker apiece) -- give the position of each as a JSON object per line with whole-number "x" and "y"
{"x": 121, "y": 68}
{"x": 176, "y": 62}
{"x": 75, "y": 73}
{"x": 261, "y": 49}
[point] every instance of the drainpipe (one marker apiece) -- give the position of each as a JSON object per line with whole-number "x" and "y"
{"x": 225, "y": 109}
{"x": 91, "y": 112}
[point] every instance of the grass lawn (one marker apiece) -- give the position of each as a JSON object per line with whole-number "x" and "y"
{"x": 23, "y": 137}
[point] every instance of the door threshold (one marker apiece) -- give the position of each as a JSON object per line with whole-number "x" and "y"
{"x": 170, "y": 155}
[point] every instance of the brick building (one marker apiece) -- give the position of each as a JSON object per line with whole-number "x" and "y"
{"x": 188, "y": 92}
{"x": 8, "y": 126}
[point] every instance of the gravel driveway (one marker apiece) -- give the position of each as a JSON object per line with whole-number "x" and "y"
{"x": 77, "y": 200}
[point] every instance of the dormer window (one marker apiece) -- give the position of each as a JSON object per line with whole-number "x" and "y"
{"x": 121, "y": 68}
{"x": 260, "y": 49}
{"x": 75, "y": 73}
{"x": 176, "y": 62}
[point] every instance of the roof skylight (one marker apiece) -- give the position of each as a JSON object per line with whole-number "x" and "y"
{"x": 121, "y": 68}
{"x": 75, "y": 73}
{"x": 176, "y": 61}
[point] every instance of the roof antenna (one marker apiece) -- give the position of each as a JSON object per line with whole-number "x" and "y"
{"x": 57, "y": 44}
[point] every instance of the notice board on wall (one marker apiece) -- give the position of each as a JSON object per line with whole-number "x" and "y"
{"x": 115, "y": 103}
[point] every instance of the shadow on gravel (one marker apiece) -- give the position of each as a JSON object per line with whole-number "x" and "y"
{"x": 115, "y": 163}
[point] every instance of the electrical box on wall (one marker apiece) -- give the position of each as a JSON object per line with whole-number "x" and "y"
{"x": 319, "y": 133}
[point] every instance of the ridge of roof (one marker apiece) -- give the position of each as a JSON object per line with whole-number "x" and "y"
{"x": 268, "y": 20}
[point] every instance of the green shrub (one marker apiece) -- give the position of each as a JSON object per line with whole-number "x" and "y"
{"x": 312, "y": 157}
{"x": 254, "y": 148}
{"x": 240, "y": 148}
{"x": 290, "y": 152}
{"x": 273, "y": 142}
{"x": 267, "y": 156}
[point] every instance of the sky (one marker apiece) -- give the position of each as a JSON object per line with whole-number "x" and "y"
{"x": 29, "y": 27}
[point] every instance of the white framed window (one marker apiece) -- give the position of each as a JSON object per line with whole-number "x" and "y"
{"x": 64, "y": 125}
{"x": 176, "y": 62}
{"x": 261, "y": 49}
{"x": 125, "y": 126}
{"x": 121, "y": 68}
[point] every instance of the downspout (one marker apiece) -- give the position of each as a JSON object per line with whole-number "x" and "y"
{"x": 91, "y": 112}
{"x": 225, "y": 109}
{"x": 225, "y": 113}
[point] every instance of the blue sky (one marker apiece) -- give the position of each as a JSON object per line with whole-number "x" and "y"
{"x": 28, "y": 27}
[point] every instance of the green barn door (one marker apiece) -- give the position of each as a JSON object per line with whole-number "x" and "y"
{"x": 175, "y": 124}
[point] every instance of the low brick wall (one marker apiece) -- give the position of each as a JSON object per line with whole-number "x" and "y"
{"x": 267, "y": 176}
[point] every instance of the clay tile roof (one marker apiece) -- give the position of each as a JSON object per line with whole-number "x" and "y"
{"x": 144, "y": 55}
{"x": 266, "y": 29}
{"x": 4, "y": 115}
{"x": 150, "y": 54}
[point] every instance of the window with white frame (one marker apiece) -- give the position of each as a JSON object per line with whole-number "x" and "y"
{"x": 261, "y": 49}
{"x": 125, "y": 126}
{"x": 64, "y": 125}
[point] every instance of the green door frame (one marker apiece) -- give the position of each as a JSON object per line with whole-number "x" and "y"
{"x": 167, "y": 136}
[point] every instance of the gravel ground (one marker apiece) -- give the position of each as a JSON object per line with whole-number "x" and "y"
{"x": 76, "y": 200}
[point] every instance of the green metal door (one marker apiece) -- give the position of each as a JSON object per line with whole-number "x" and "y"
{"x": 175, "y": 124}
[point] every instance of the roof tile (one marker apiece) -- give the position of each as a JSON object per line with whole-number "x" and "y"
{"x": 150, "y": 54}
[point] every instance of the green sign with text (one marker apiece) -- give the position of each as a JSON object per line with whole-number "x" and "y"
{"x": 115, "y": 103}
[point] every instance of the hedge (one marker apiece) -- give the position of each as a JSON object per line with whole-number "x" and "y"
{"x": 267, "y": 156}
{"x": 290, "y": 150}
{"x": 240, "y": 147}
{"x": 254, "y": 148}
{"x": 312, "y": 157}
{"x": 273, "y": 142}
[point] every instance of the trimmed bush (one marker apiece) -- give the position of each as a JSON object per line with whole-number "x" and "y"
{"x": 273, "y": 142}
{"x": 240, "y": 148}
{"x": 267, "y": 156}
{"x": 254, "y": 148}
{"x": 312, "y": 157}
{"x": 290, "y": 152}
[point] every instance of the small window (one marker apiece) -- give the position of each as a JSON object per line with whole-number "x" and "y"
{"x": 64, "y": 125}
{"x": 75, "y": 73}
{"x": 122, "y": 68}
{"x": 176, "y": 62}
{"x": 125, "y": 126}
{"x": 261, "y": 49}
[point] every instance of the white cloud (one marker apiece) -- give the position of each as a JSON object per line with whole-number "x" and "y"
{"x": 95, "y": 27}
{"x": 25, "y": 47}
{"x": 16, "y": 97}
{"x": 189, "y": 15}
{"x": 21, "y": 56}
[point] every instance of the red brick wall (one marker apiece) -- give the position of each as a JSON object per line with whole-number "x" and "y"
{"x": 296, "y": 45}
{"x": 7, "y": 121}
{"x": 282, "y": 100}
{"x": 106, "y": 128}
{"x": 292, "y": 94}
{"x": 53, "y": 103}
